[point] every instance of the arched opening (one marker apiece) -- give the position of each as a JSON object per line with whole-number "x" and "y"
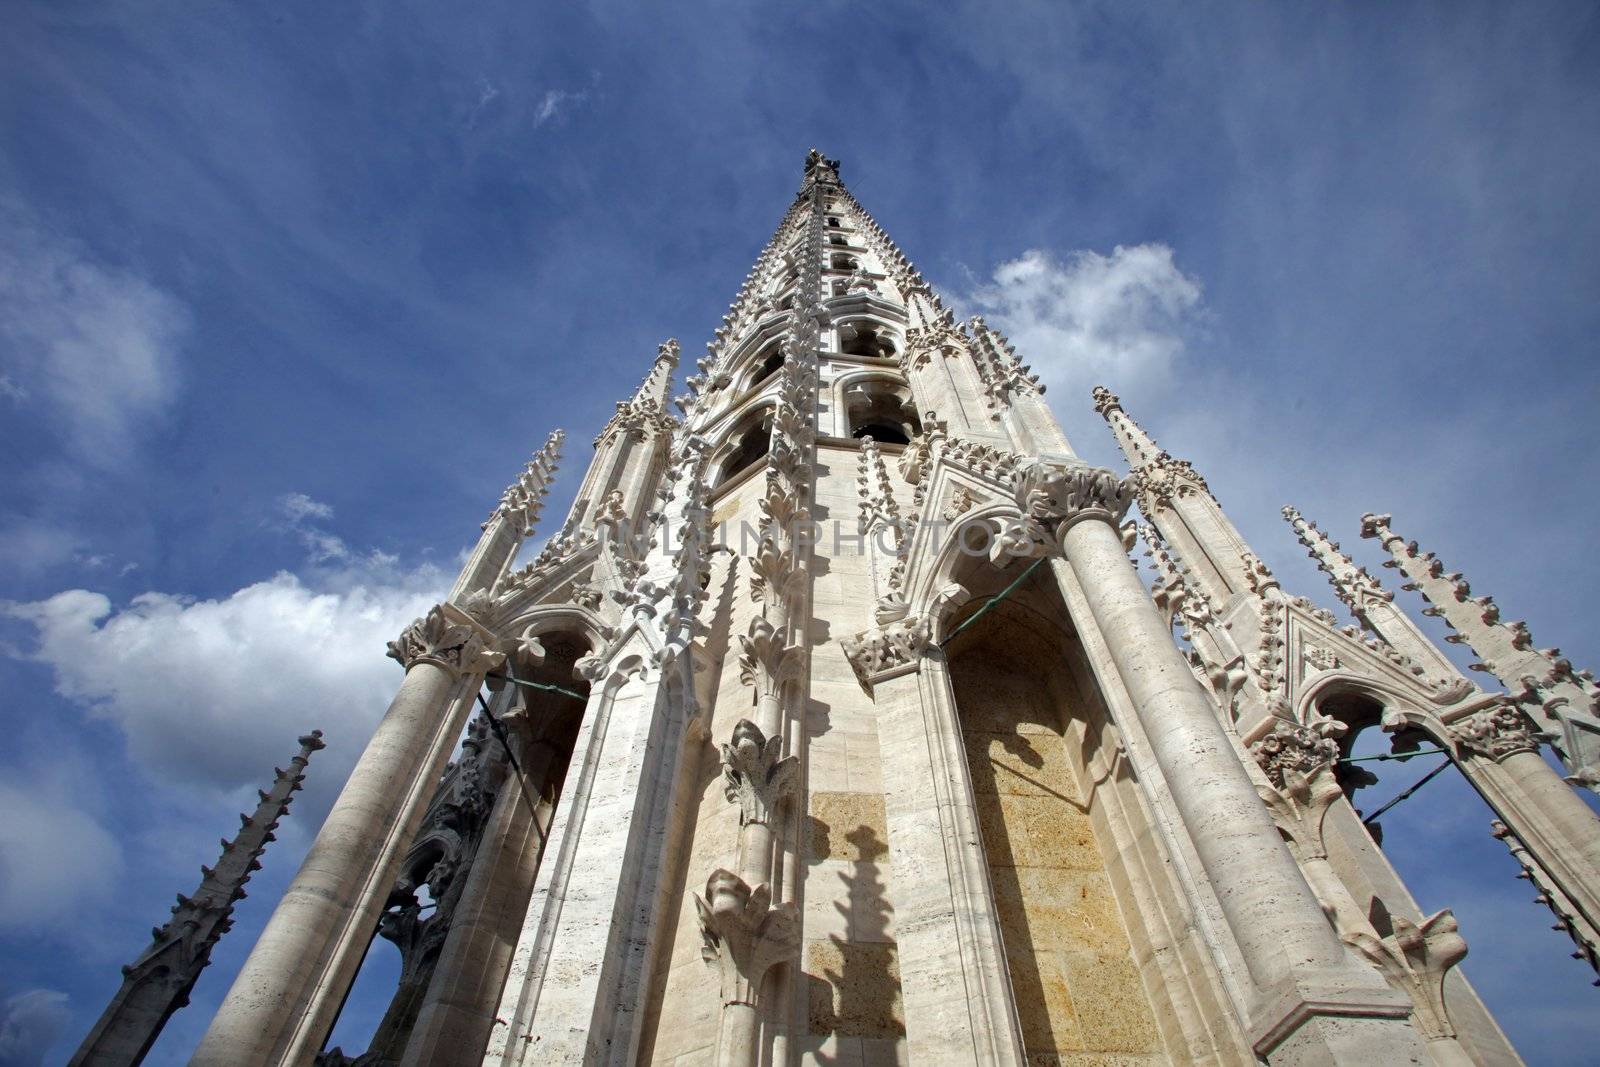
{"x": 842, "y": 262}
{"x": 771, "y": 361}
{"x": 492, "y": 807}
{"x": 1044, "y": 761}
{"x": 866, "y": 339}
{"x": 839, "y": 241}
{"x": 750, "y": 444}
{"x": 1414, "y": 838}
{"x": 882, "y": 410}
{"x": 833, "y": 222}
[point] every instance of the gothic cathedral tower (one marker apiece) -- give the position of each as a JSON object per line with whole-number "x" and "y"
{"x": 836, "y": 725}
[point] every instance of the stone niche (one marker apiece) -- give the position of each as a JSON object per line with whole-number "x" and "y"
{"x": 1031, "y": 742}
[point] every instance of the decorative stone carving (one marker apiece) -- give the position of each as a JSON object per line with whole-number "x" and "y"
{"x": 456, "y": 645}
{"x": 523, "y": 499}
{"x": 1105, "y": 400}
{"x": 1569, "y": 917}
{"x": 1496, "y": 733}
{"x": 1415, "y": 958}
{"x": 586, "y": 595}
{"x": 924, "y": 342}
{"x": 767, "y": 658}
{"x": 753, "y": 775}
{"x": 158, "y": 982}
{"x": 742, "y": 935}
{"x": 1564, "y": 702}
{"x": 1267, "y": 660}
{"x": 1257, "y": 575}
{"x": 773, "y": 572}
{"x": 886, "y": 651}
{"x": 1055, "y": 497}
{"x": 1301, "y": 749}
{"x": 959, "y": 504}
{"x": 611, "y": 515}
{"x": 1300, "y": 804}
{"x": 1321, "y": 659}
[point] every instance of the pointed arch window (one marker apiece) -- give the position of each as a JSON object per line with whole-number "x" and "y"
{"x": 750, "y": 443}
{"x": 866, "y": 339}
{"x": 882, "y": 410}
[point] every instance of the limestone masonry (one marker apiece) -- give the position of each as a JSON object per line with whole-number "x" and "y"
{"x": 835, "y": 725}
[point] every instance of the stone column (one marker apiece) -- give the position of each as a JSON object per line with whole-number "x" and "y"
{"x": 289, "y": 992}
{"x": 459, "y": 1007}
{"x": 1314, "y": 1002}
{"x": 1414, "y": 957}
{"x": 1503, "y": 763}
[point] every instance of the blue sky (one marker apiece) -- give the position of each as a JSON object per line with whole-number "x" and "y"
{"x": 288, "y": 295}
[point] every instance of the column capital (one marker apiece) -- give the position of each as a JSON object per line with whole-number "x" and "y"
{"x": 447, "y": 638}
{"x": 1290, "y": 747}
{"x": 743, "y": 935}
{"x": 1055, "y": 497}
{"x": 1496, "y": 732}
{"x": 753, "y": 774}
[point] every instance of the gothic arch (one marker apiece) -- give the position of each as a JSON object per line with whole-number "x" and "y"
{"x": 870, "y": 397}
{"x": 734, "y": 450}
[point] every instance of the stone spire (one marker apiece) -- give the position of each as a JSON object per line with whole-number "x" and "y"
{"x": 523, "y": 499}
{"x": 158, "y": 983}
{"x": 657, "y": 383}
{"x": 1179, "y": 504}
{"x": 1561, "y": 700}
{"x": 511, "y": 521}
{"x": 1370, "y": 602}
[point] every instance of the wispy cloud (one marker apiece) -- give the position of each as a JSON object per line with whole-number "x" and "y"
{"x": 29, "y": 1024}
{"x": 555, "y": 102}
{"x": 98, "y": 344}
{"x": 57, "y": 856}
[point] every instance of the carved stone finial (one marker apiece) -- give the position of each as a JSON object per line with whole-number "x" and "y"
{"x": 452, "y": 644}
{"x": 753, "y": 775}
{"x": 742, "y": 935}
{"x": 1105, "y": 401}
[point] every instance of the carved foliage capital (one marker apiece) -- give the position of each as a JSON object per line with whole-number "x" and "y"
{"x": 767, "y": 659}
{"x": 454, "y": 644}
{"x": 743, "y": 935}
{"x": 1496, "y": 733}
{"x": 1415, "y": 957}
{"x": 753, "y": 775}
{"x": 1061, "y": 495}
{"x": 886, "y": 651}
{"x": 1291, "y": 747}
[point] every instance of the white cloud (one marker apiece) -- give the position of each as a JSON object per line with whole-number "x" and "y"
{"x": 300, "y": 506}
{"x": 556, "y": 101}
{"x": 211, "y": 692}
{"x": 29, "y": 1024}
{"x": 324, "y": 546}
{"x": 96, "y": 344}
{"x": 1091, "y": 316}
{"x": 56, "y": 857}
{"x": 11, "y": 390}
